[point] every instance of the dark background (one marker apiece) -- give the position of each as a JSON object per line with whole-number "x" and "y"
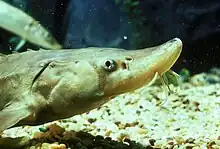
{"x": 83, "y": 23}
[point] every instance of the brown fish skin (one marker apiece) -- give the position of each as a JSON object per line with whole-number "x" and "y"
{"x": 18, "y": 22}
{"x": 43, "y": 86}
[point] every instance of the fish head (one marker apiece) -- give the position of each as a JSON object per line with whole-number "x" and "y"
{"x": 103, "y": 73}
{"x": 59, "y": 84}
{"x": 127, "y": 70}
{"x": 74, "y": 85}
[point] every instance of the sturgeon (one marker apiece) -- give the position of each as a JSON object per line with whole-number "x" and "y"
{"x": 46, "y": 85}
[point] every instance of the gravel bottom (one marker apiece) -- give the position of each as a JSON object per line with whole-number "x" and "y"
{"x": 146, "y": 118}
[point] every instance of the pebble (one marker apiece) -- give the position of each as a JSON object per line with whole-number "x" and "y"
{"x": 217, "y": 142}
{"x": 57, "y": 146}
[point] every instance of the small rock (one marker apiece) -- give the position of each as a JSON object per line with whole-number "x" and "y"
{"x": 217, "y": 142}
{"x": 108, "y": 132}
{"x": 57, "y": 146}
{"x": 152, "y": 142}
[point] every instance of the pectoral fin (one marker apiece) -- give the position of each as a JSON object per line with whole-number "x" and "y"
{"x": 10, "y": 117}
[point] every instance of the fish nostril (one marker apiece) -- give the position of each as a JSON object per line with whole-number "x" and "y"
{"x": 173, "y": 40}
{"x": 123, "y": 65}
{"x": 128, "y": 58}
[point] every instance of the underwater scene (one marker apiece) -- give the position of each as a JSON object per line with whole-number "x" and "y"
{"x": 109, "y": 74}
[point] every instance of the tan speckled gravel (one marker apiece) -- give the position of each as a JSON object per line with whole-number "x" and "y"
{"x": 190, "y": 118}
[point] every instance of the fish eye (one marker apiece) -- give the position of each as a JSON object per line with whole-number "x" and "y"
{"x": 110, "y": 65}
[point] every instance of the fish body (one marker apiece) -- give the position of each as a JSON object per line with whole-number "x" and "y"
{"x": 16, "y": 21}
{"x": 43, "y": 86}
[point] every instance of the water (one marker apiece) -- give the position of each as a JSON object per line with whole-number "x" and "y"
{"x": 190, "y": 117}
